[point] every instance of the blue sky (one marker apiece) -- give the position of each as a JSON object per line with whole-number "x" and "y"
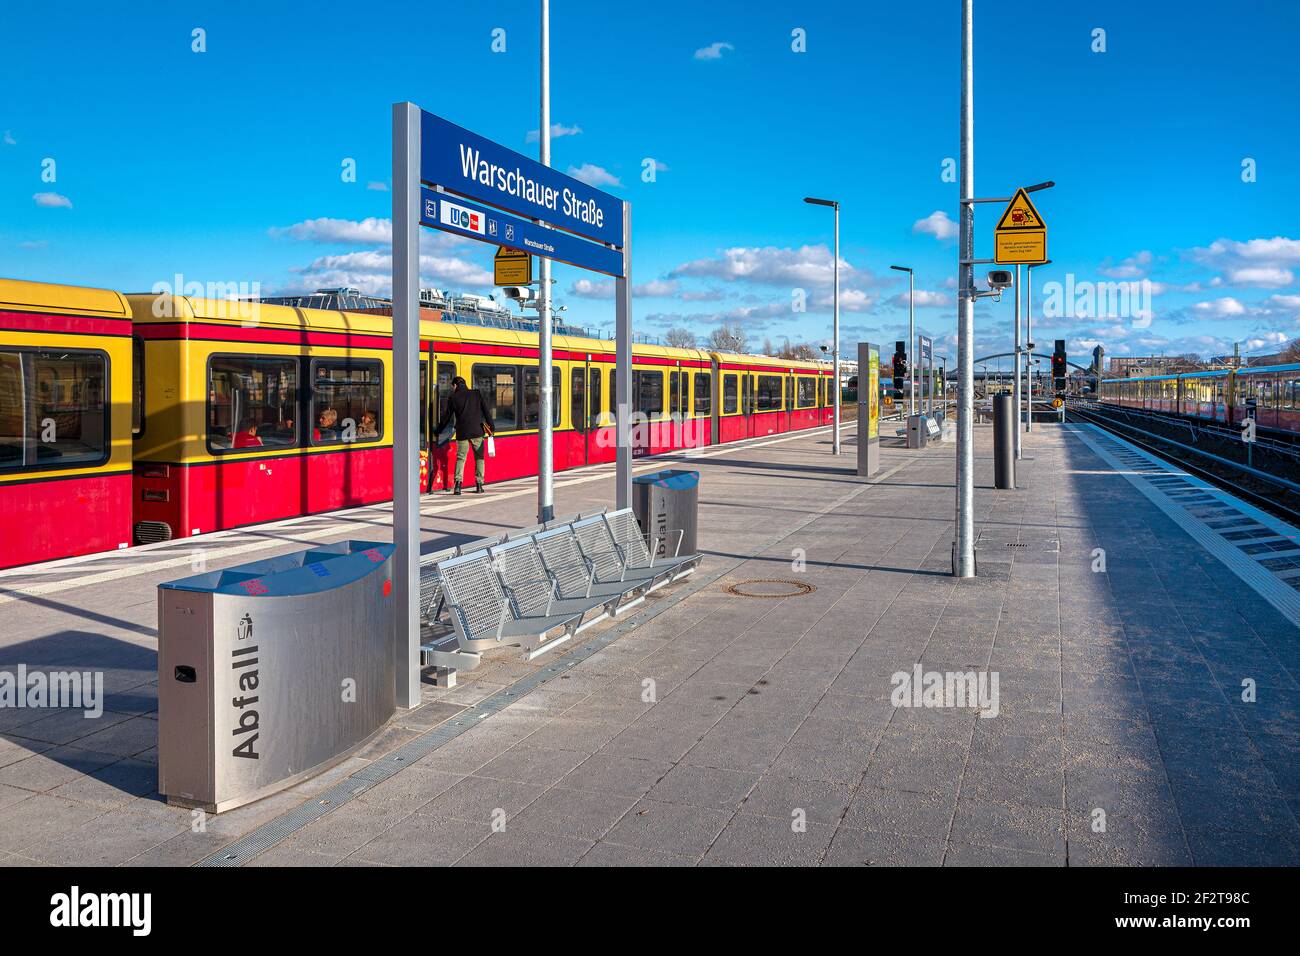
{"x": 225, "y": 166}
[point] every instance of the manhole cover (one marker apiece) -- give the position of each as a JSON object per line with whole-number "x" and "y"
{"x": 770, "y": 588}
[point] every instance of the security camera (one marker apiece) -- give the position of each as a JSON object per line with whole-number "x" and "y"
{"x": 1000, "y": 279}
{"x": 520, "y": 293}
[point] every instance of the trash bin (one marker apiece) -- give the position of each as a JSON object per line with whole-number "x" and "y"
{"x": 273, "y": 671}
{"x": 664, "y": 504}
{"x": 918, "y": 432}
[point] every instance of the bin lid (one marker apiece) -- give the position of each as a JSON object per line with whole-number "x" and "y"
{"x": 303, "y": 572}
{"x": 673, "y": 478}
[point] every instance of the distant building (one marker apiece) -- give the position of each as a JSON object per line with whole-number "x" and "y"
{"x": 1127, "y": 366}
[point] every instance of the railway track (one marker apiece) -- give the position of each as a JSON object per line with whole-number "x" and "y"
{"x": 1275, "y": 494}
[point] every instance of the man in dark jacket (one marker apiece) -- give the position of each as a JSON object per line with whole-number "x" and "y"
{"x": 473, "y": 422}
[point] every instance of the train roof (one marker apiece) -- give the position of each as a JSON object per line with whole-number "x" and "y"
{"x": 1209, "y": 373}
{"x": 19, "y": 295}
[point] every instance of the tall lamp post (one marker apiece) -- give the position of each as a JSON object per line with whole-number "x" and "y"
{"x": 911, "y": 337}
{"x": 835, "y": 333}
{"x": 545, "y": 398}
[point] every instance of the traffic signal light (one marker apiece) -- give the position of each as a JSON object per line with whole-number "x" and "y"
{"x": 1059, "y": 367}
{"x": 900, "y": 364}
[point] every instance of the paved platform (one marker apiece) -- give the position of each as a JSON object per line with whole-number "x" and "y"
{"x": 722, "y": 729}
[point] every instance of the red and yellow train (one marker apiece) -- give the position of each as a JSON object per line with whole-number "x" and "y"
{"x": 1268, "y": 393}
{"x": 141, "y": 418}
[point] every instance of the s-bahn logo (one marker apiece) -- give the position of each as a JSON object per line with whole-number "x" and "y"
{"x": 458, "y": 217}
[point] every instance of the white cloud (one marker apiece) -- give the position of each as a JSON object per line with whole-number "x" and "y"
{"x": 773, "y": 265}
{"x": 9, "y": 139}
{"x": 604, "y": 289}
{"x": 369, "y": 231}
{"x": 1262, "y": 263}
{"x": 1264, "y": 277}
{"x": 713, "y": 51}
{"x": 937, "y": 224}
{"x": 1220, "y": 308}
{"x": 851, "y": 300}
{"x": 371, "y": 272}
{"x": 925, "y": 299}
{"x": 1283, "y": 302}
{"x": 1134, "y": 267}
{"x": 594, "y": 175}
{"x": 52, "y": 200}
{"x": 557, "y": 130}
{"x": 377, "y": 187}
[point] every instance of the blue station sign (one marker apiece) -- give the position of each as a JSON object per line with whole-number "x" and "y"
{"x": 464, "y": 218}
{"x": 468, "y": 164}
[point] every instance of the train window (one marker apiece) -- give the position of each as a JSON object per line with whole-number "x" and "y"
{"x": 593, "y": 403}
{"x": 137, "y": 385}
{"x": 533, "y": 396}
{"x": 674, "y": 392}
{"x": 499, "y": 386}
{"x": 807, "y": 392}
{"x": 769, "y": 393}
{"x": 613, "y": 394}
{"x": 252, "y": 402}
{"x": 446, "y": 374}
{"x": 648, "y": 392}
{"x": 789, "y": 392}
{"x": 729, "y": 394}
{"x": 424, "y": 404}
{"x": 703, "y": 393}
{"x": 53, "y": 408}
{"x": 347, "y": 401}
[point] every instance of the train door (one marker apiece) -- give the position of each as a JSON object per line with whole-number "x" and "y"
{"x": 715, "y": 406}
{"x": 789, "y": 401}
{"x": 578, "y": 413}
{"x": 441, "y": 457}
{"x": 747, "y": 402}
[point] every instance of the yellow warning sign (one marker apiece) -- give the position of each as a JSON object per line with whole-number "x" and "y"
{"x": 512, "y": 267}
{"x": 1021, "y": 233}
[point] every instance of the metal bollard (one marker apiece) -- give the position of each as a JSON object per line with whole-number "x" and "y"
{"x": 1004, "y": 441}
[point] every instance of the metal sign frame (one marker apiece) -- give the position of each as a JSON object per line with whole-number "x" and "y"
{"x": 431, "y": 161}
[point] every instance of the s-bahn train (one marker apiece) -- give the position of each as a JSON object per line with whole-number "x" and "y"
{"x": 140, "y": 418}
{"x": 1271, "y": 393}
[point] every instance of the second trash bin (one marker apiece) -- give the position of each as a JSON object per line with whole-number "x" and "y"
{"x": 666, "y": 505}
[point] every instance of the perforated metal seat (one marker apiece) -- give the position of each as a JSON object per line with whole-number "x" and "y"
{"x": 575, "y": 573}
{"x": 482, "y": 612}
{"x": 536, "y": 592}
{"x": 625, "y": 530}
{"x": 432, "y": 600}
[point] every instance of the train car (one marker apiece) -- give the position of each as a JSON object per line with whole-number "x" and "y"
{"x": 66, "y": 418}
{"x": 254, "y": 412}
{"x": 760, "y": 395}
{"x": 1270, "y": 393}
{"x": 153, "y": 417}
{"x": 1274, "y": 393}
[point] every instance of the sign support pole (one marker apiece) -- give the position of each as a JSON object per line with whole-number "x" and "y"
{"x": 1015, "y": 385}
{"x": 546, "y": 396}
{"x": 406, "y": 409}
{"x": 623, "y": 369}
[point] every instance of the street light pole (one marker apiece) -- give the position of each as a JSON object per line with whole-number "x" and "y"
{"x": 835, "y": 332}
{"x": 546, "y": 398}
{"x": 911, "y": 337}
{"x": 963, "y": 558}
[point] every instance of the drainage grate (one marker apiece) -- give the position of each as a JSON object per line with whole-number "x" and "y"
{"x": 770, "y": 588}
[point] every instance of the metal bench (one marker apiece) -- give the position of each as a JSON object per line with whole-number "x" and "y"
{"x": 576, "y": 574}
{"x": 642, "y": 548}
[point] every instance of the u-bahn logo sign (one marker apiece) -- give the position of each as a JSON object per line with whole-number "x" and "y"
{"x": 1021, "y": 234}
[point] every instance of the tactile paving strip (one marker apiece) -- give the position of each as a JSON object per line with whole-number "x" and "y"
{"x": 1247, "y": 540}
